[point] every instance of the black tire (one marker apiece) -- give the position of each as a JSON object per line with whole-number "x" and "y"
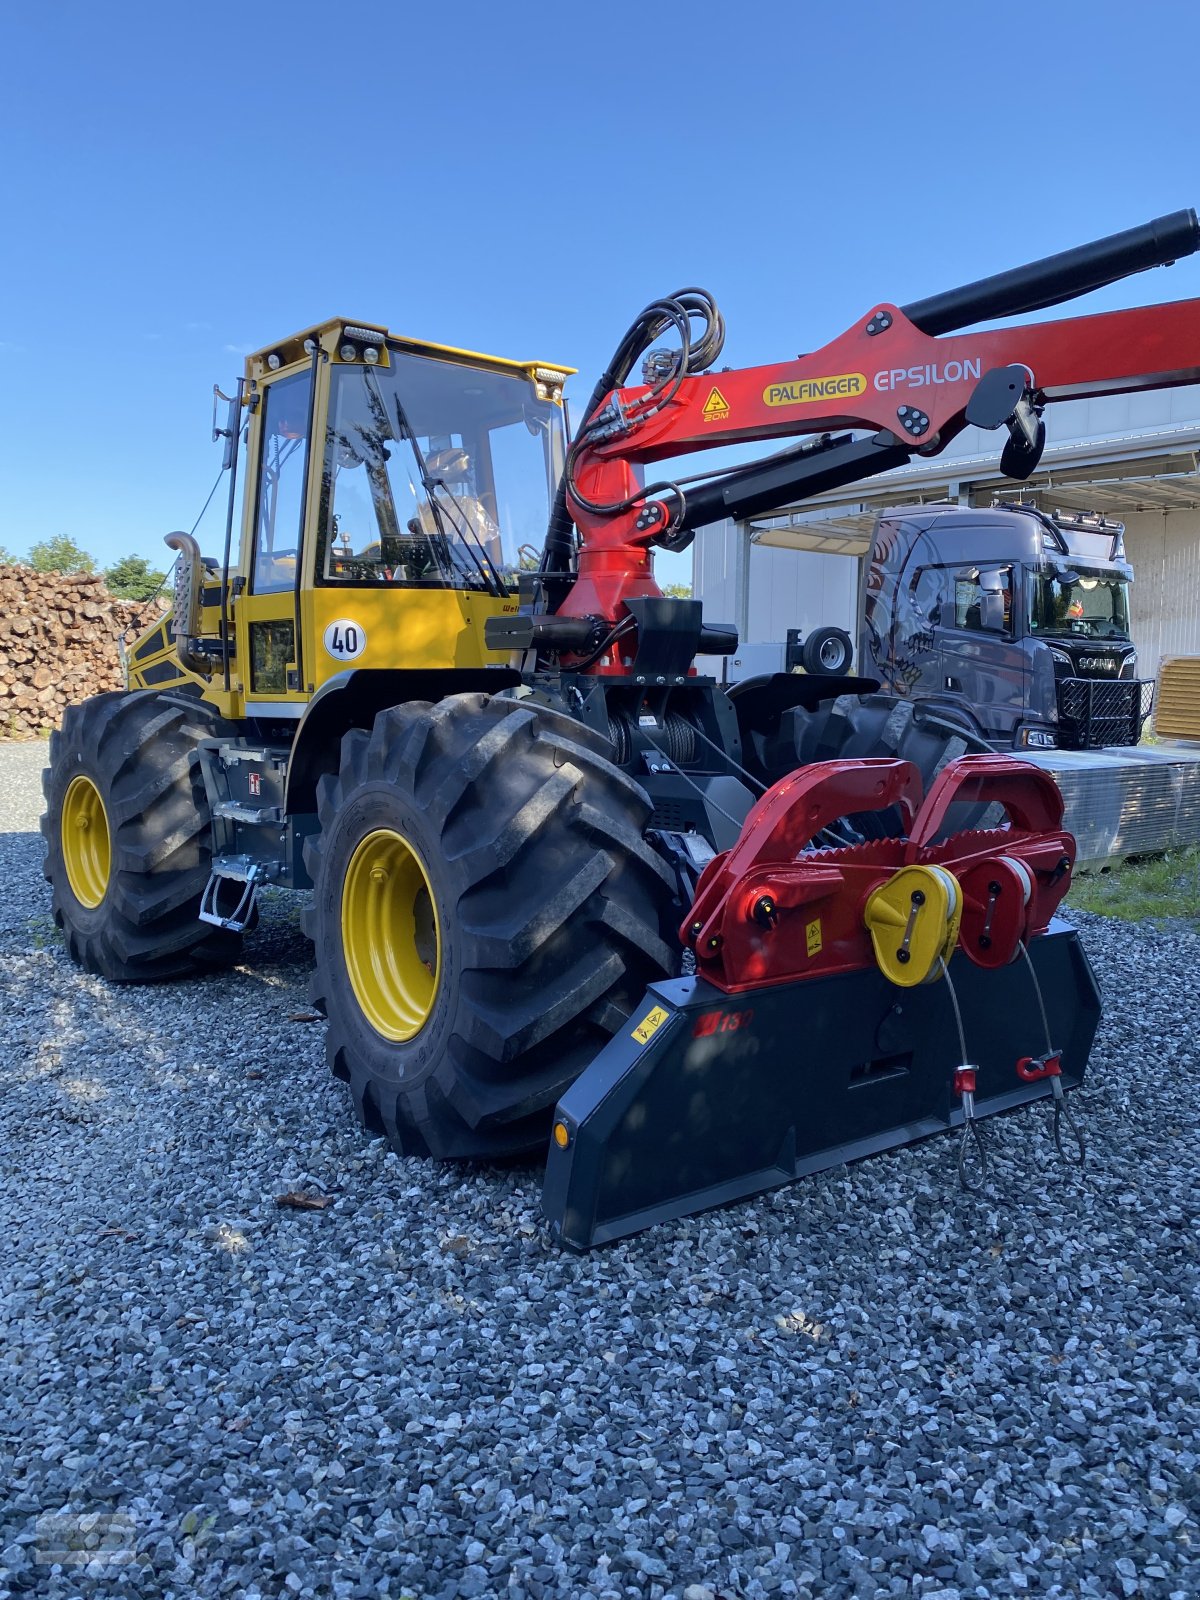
{"x": 854, "y": 726}
{"x": 827, "y": 652}
{"x": 550, "y": 907}
{"x": 138, "y": 750}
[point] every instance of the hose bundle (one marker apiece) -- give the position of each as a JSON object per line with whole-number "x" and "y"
{"x": 698, "y": 350}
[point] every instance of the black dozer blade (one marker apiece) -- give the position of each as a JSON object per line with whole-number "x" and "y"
{"x": 705, "y": 1098}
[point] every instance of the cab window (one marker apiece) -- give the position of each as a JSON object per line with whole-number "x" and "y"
{"x": 286, "y": 406}
{"x": 983, "y": 600}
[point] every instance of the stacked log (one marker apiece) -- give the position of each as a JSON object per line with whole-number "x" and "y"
{"x": 60, "y": 641}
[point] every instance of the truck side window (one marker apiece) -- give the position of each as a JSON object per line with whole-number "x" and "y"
{"x": 919, "y": 611}
{"x": 281, "y": 484}
{"x": 928, "y": 591}
{"x": 983, "y": 607}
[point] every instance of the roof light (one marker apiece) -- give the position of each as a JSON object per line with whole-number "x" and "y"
{"x": 550, "y": 375}
{"x": 273, "y": 361}
{"x": 348, "y": 353}
{"x": 310, "y": 347}
{"x": 367, "y": 335}
{"x": 371, "y": 355}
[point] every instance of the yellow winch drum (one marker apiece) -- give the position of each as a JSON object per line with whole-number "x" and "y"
{"x": 913, "y": 920}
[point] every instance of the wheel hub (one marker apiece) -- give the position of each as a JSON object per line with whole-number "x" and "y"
{"x": 86, "y": 844}
{"x": 390, "y": 935}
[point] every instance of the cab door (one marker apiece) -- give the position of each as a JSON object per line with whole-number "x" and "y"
{"x": 269, "y": 644}
{"x": 984, "y": 668}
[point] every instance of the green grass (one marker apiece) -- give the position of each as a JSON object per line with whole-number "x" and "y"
{"x": 1163, "y": 889}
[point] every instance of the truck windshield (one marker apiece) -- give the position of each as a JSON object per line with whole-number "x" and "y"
{"x": 1066, "y": 601}
{"x": 437, "y": 474}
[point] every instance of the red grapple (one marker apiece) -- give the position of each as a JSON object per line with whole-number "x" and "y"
{"x": 764, "y": 913}
{"x": 771, "y": 911}
{"x": 1013, "y": 879}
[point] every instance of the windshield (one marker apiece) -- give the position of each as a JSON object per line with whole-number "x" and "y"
{"x": 436, "y": 474}
{"x": 1076, "y": 601}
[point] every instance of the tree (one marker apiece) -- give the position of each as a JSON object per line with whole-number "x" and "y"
{"x": 60, "y": 555}
{"x": 132, "y": 578}
{"x": 678, "y": 591}
{"x": 7, "y": 559}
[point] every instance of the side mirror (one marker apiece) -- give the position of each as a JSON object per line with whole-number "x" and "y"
{"x": 233, "y": 421}
{"x": 991, "y": 611}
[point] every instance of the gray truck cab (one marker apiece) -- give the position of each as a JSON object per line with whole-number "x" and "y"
{"x": 1014, "y": 622}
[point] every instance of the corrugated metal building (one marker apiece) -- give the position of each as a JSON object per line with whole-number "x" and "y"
{"x": 1133, "y": 457}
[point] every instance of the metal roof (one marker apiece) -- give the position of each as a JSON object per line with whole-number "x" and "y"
{"x": 1156, "y": 470}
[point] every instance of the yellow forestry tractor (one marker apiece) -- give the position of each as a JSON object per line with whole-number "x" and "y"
{"x": 566, "y": 892}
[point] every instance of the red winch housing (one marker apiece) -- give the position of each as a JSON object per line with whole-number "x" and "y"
{"x": 777, "y": 907}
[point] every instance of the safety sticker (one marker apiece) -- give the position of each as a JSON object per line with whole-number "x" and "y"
{"x": 716, "y": 407}
{"x": 650, "y": 1024}
{"x": 812, "y": 937}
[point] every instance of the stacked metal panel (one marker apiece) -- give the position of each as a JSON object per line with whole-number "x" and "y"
{"x": 1128, "y": 802}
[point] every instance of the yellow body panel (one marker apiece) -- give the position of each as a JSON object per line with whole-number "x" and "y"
{"x": 400, "y": 628}
{"x": 406, "y": 628}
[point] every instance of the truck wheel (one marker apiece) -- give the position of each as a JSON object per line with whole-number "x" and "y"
{"x": 129, "y": 838}
{"x": 486, "y": 914}
{"x": 827, "y": 652}
{"x": 854, "y": 726}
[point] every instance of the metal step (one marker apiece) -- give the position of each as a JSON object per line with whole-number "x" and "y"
{"x": 236, "y": 812}
{"x": 258, "y": 755}
{"x": 242, "y": 869}
{"x": 236, "y": 869}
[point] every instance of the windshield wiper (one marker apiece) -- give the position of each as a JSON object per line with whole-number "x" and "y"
{"x": 450, "y": 568}
{"x": 492, "y": 581}
{"x": 462, "y": 523}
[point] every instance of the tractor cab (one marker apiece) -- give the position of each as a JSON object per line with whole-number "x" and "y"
{"x": 392, "y": 492}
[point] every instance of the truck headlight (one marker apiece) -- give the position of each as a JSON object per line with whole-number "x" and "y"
{"x": 1062, "y": 658}
{"x": 1038, "y": 739}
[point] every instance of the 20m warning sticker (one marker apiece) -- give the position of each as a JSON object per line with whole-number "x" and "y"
{"x": 812, "y": 937}
{"x": 650, "y": 1024}
{"x": 716, "y": 407}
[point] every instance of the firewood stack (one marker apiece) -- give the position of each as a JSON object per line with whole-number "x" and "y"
{"x": 59, "y": 643}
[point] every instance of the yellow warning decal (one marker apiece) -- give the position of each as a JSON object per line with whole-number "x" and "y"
{"x": 716, "y": 407}
{"x": 804, "y": 391}
{"x": 650, "y": 1024}
{"x": 812, "y": 937}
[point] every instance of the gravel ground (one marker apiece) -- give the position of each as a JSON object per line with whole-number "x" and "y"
{"x": 868, "y": 1384}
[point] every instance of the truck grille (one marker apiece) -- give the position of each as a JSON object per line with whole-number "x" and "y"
{"x": 1093, "y": 713}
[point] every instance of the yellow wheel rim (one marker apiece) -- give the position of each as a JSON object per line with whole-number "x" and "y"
{"x": 86, "y": 847}
{"x": 390, "y": 935}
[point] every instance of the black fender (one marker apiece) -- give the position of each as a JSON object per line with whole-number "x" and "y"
{"x": 760, "y": 702}
{"x": 354, "y": 698}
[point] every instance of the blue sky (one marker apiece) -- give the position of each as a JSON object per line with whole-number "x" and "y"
{"x": 183, "y": 183}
